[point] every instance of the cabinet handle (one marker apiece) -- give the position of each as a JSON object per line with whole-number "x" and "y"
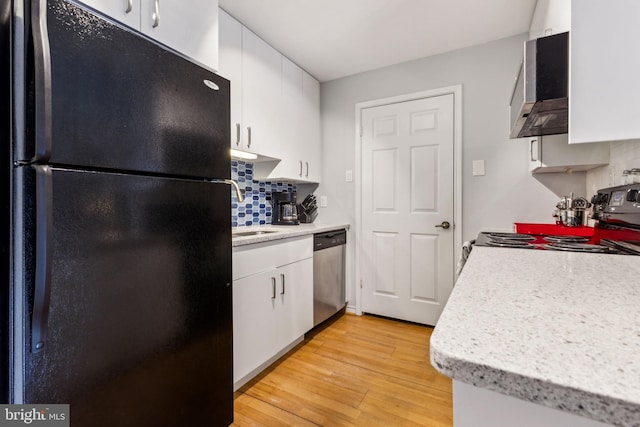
{"x": 129, "y": 7}
{"x": 307, "y": 174}
{"x": 533, "y": 141}
{"x": 300, "y": 168}
{"x": 282, "y": 280}
{"x": 156, "y": 13}
{"x": 248, "y": 136}
{"x": 273, "y": 288}
{"x": 237, "y": 134}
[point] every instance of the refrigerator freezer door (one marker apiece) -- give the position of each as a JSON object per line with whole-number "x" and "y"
{"x": 138, "y": 315}
{"x": 107, "y": 97}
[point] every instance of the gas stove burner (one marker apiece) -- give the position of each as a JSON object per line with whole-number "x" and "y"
{"x": 511, "y": 237}
{"x": 580, "y": 247}
{"x": 566, "y": 239}
{"x": 506, "y": 243}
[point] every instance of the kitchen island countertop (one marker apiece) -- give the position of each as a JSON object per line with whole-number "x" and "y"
{"x": 557, "y": 329}
{"x": 281, "y": 232}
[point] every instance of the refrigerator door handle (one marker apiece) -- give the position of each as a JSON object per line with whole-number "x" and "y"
{"x": 42, "y": 290}
{"x": 42, "y": 61}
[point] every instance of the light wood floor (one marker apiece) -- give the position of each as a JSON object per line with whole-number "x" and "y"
{"x": 358, "y": 371}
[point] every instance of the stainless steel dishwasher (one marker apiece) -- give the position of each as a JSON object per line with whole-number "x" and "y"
{"x": 328, "y": 274}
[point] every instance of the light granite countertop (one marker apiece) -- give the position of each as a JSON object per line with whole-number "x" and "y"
{"x": 280, "y": 232}
{"x": 558, "y": 329}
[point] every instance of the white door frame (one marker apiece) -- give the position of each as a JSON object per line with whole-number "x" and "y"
{"x": 456, "y": 91}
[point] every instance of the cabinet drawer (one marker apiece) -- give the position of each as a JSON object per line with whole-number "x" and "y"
{"x": 254, "y": 259}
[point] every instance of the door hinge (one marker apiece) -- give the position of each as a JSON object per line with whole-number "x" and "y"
{"x": 361, "y": 130}
{"x": 360, "y": 283}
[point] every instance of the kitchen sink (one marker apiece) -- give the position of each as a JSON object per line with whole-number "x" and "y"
{"x": 252, "y": 233}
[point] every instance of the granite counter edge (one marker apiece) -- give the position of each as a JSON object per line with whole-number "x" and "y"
{"x": 542, "y": 392}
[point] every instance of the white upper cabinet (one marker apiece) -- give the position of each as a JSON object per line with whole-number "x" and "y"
{"x": 289, "y": 148}
{"x": 255, "y": 71}
{"x": 552, "y": 153}
{"x": 230, "y": 55}
{"x": 190, "y": 28}
{"x": 604, "y": 87}
{"x": 125, "y": 11}
{"x": 603, "y": 82}
{"x": 311, "y": 128}
{"x": 299, "y": 147}
{"x": 261, "y": 81}
{"x": 550, "y": 17}
{"x": 275, "y": 106}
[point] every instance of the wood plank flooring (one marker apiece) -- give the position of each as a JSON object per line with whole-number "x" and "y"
{"x": 357, "y": 371}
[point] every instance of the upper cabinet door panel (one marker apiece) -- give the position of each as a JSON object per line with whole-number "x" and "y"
{"x": 190, "y": 27}
{"x": 292, "y": 127}
{"x": 125, "y": 11}
{"x": 230, "y": 55}
{"x": 604, "y": 86}
{"x": 311, "y": 111}
{"x": 550, "y": 17}
{"x": 261, "y": 80}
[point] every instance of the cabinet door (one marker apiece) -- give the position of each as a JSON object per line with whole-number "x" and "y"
{"x": 311, "y": 129}
{"x": 125, "y": 11}
{"x": 230, "y": 56}
{"x": 289, "y": 146}
{"x": 190, "y": 28}
{"x": 295, "y": 295}
{"x": 604, "y": 86}
{"x": 255, "y": 335}
{"x": 299, "y": 147}
{"x": 550, "y": 17}
{"x": 553, "y": 153}
{"x": 261, "y": 79}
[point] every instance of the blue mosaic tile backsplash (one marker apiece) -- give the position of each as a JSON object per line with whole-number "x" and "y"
{"x": 256, "y": 208}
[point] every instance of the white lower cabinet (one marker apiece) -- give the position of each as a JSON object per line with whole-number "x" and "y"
{"x": 475, "y": 406}
{"x": 272, "y": 302}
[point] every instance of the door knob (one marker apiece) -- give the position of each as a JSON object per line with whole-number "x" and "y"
{"x": 445, "y": 225}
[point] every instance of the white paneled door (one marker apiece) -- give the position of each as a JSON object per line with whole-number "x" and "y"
{"x": 407, "y": 202}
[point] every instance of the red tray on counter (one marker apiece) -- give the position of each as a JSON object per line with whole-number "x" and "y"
{"x": 553, "y": 229}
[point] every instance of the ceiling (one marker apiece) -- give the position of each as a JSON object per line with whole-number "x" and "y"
{"x": 336, "y": 38}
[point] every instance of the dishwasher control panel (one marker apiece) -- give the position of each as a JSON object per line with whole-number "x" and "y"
{"x": 329, "y": 239}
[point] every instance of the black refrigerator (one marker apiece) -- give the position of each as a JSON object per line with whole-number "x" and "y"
{"x": 116, "y": 229}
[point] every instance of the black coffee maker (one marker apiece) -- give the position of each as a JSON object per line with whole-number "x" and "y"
{"x": 285, "y": 211}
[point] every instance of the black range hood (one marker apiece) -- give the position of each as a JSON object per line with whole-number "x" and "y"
{"x": 540, "y": 100}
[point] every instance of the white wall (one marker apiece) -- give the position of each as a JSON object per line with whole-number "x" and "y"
{"x": 508, "y": 193}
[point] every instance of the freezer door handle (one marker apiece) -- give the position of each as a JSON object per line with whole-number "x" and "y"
{"x": 42, "y": 289}
{"x": 42, "y": 59}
